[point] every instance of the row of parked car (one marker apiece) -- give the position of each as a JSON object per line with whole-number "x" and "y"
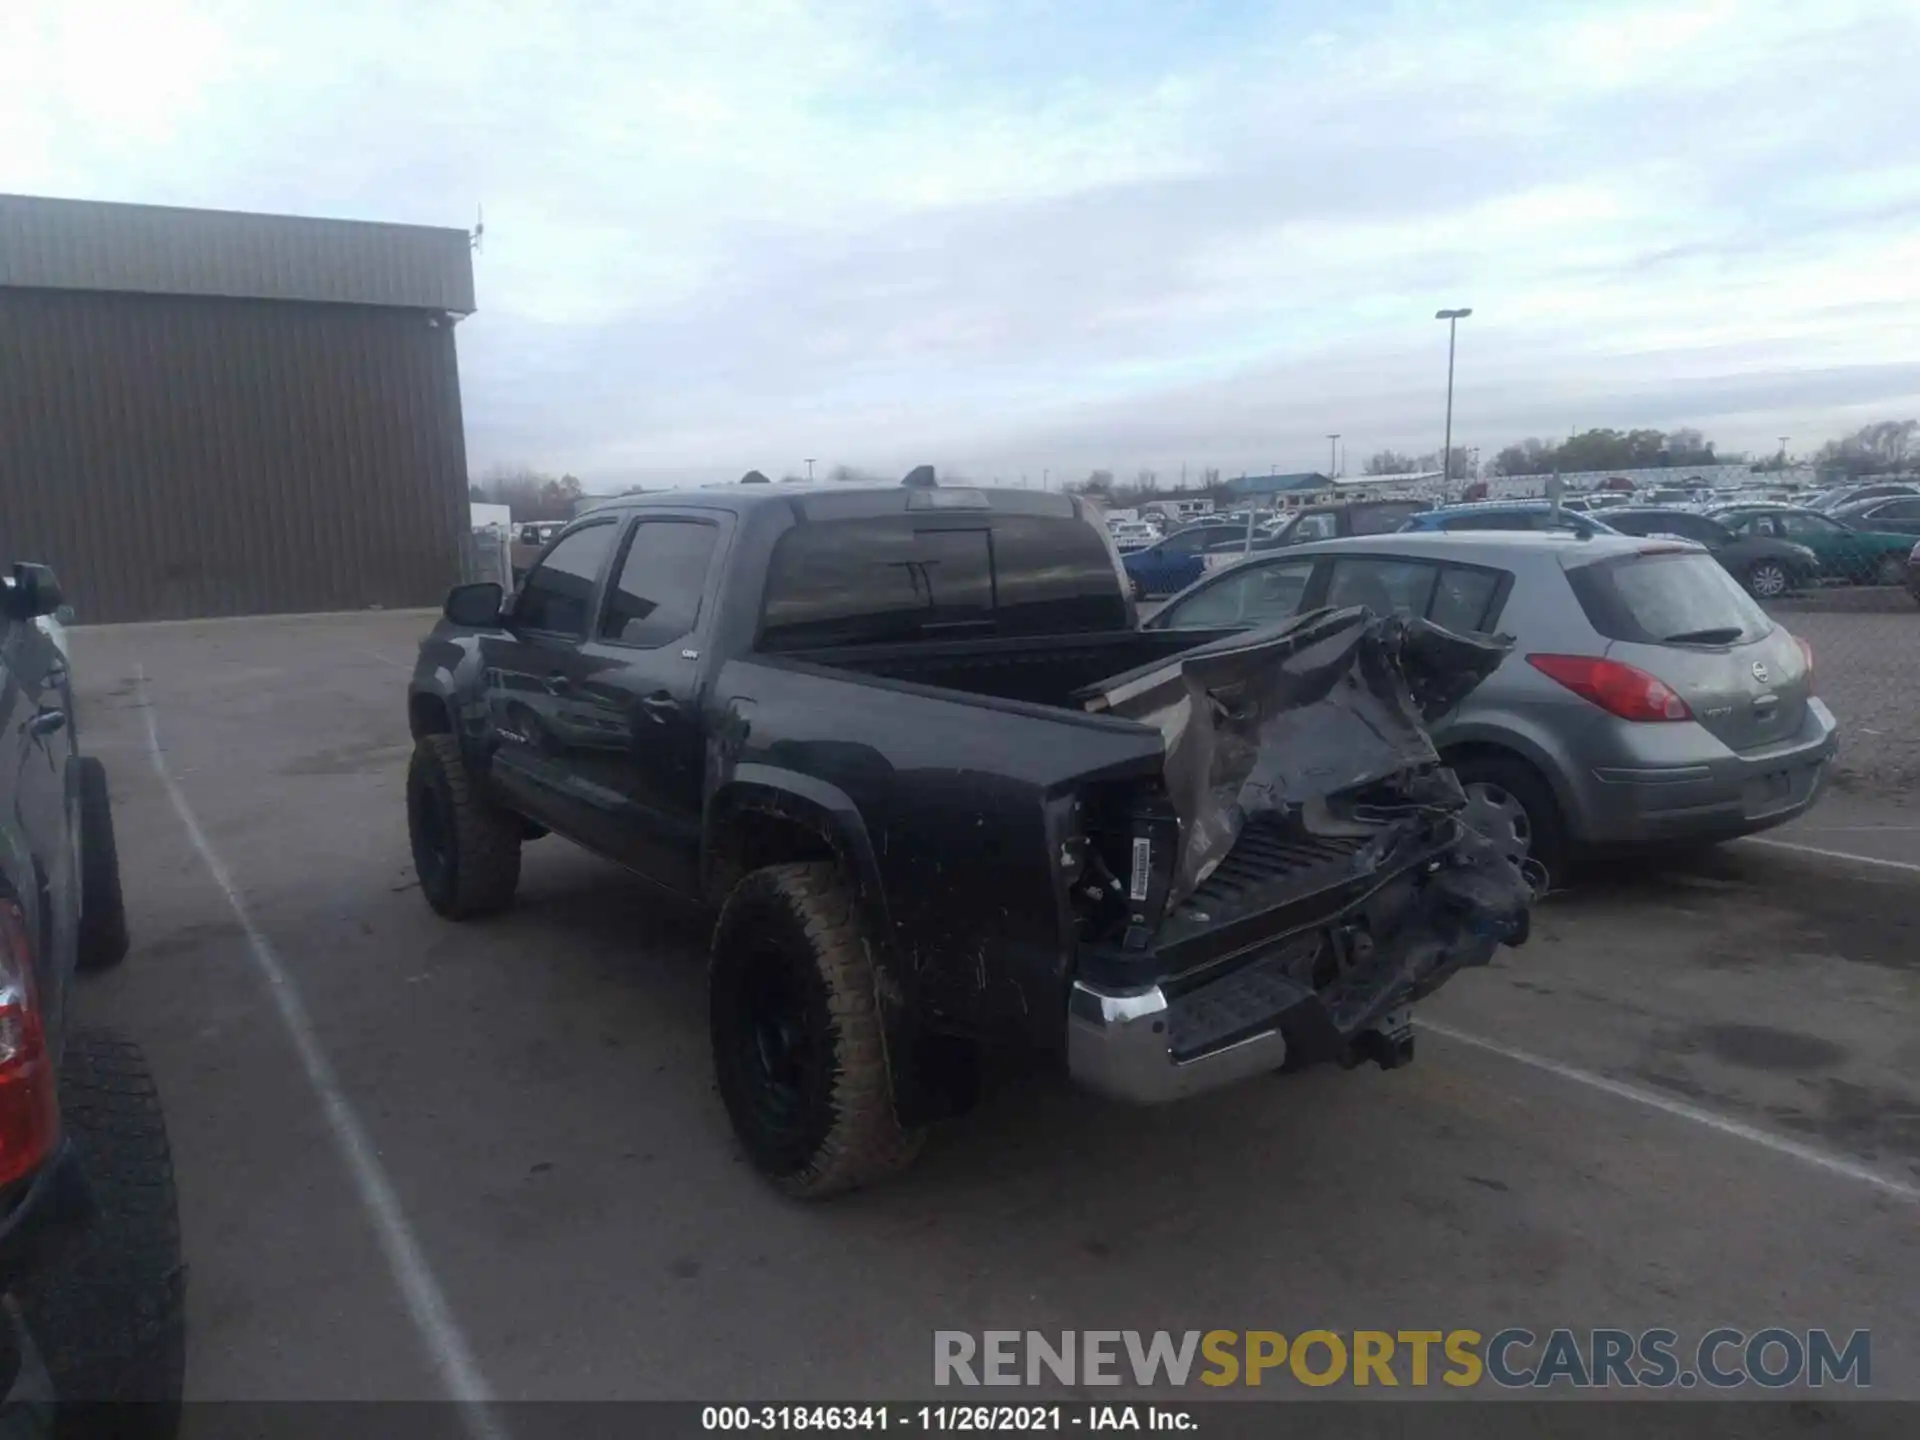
{"x": 1770, "y": 547}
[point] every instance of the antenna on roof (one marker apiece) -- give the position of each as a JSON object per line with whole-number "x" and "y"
{"x": 920, "y": 478}
{"x": 479, "y": 228}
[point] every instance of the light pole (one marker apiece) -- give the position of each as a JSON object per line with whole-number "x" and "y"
{"x": 1783, "y": 453}
{"x": 809, "y": 469}
{"x": 1453, "y": 319}
{"x": 1333, "y": 456}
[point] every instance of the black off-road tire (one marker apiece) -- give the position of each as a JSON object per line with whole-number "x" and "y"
{"x": 103, "y": 910}
{"x": 108, "y": 1310}
{"x": 798, "y": 1045}
{"x": 466, "y": 850}
{"x": 1546, "y": 838}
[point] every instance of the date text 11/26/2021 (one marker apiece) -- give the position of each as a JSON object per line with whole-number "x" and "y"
{"x": 981, "y": 1419}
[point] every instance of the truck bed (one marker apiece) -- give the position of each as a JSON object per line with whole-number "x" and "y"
{"x": 1033, "y": 669}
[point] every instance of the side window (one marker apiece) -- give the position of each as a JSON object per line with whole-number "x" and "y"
{"x": 1383, "y": 586}
{"x": 1249, "y": 595}
{"x": 1186, "y": 543}
{"x": 1744, "y": 525}
{"x": 657, "y": 595}
{"x": 1491, "y": 520}
{"x": 559, "y": 590}
{"x": 1798, "y": 527}
{"x": 1897, "y": 510}
{"x": 1382, "y": 519}
{"x": 1461, "y": 598}
{"x": 1317, "y": 526}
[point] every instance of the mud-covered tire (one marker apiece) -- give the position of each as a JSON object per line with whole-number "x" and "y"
{"x": 1510, "y": 786}
{"x": 103, "y": 909}
{"x": 108, "y": 1311}
{"x": 798, "y": 1045}
{"x": 466, "y": 850}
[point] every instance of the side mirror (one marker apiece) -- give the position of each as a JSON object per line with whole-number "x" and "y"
{"x": 34, "y": 592}
{"x": 476, "y": 606}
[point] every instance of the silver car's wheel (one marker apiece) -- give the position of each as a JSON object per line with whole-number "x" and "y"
{"x": 1768, "y": 579}
{"x": 1892, "y": 570}
{"x": 1496, "y": 814}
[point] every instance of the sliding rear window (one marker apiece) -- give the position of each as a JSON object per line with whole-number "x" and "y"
{"x": 883, "y": 579}
{"x": 1656, "y": 597}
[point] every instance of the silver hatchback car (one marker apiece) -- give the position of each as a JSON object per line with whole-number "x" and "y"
{"x": 1648, "y": 698}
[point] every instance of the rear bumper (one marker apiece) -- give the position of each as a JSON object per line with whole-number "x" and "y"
{"x": 1720, "y": 796}
{"x": 1147, "y": 1047}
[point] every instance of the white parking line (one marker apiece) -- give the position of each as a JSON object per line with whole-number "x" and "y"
{"x": 1834, "y": 854}
{"x": 1779, "y": 1144}
{"x": 452, "y": 1358}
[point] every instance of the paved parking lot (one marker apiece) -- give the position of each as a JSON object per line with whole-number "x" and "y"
{"x": 1693, "y": 1100}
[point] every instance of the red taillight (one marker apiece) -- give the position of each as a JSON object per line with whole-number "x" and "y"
{"x": 1617, "y": 689}
{"x": 29, "y": 1101}
{"x": 1806, "y": 653}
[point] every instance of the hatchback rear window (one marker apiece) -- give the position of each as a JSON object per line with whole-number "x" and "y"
{"x": 1676, "y": 597}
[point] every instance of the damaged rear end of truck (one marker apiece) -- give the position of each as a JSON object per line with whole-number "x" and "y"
{"x": 1302, "y": 871}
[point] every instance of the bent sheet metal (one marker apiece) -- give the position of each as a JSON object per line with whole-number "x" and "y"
{"x": 1282, "y": 718}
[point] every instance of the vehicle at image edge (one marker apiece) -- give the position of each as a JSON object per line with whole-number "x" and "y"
{"x": 1503, "y": 515}
{"x": 1851, "y": 494}
{"x": 1647, "y": 698}
{"x": 856, "y": 722}
{"x": 1766, "y": 564}
{"x": 1863, "y": 557}
{"x": 89, "y": 1231}
{"x": 1884, "y": 515}
{"x": 1913, "y": 572}
{"x": 1351, "y": 517}
{"x": 1175, "y": 562}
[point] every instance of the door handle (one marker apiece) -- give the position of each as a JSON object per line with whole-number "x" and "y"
{"x": 46, "y": 722}
{"x": 558, "y": 683}
{"x": 659, "y": 706}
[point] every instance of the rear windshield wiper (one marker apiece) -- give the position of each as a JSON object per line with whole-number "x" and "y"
{"x": 1718, "y": 635}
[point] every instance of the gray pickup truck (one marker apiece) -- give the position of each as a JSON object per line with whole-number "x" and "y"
{"x": 944, "y": 793}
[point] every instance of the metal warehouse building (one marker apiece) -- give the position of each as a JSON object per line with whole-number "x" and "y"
{"x": 206, "y": 413}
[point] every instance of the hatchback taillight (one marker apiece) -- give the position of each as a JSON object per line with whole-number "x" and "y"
{"x": 29, "y": 1100}
{"x": 1806, "y": 653}
{"x": 1616, "y": 688}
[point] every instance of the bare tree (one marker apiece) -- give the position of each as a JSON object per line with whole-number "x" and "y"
{"x": 528, "y": 493}
{"x": 1389, "y": 462}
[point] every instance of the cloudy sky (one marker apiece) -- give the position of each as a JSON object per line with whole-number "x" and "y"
{"x": 1014, "y": 237}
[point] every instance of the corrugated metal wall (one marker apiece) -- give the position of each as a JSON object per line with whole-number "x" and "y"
{"x": 175, "y": 457}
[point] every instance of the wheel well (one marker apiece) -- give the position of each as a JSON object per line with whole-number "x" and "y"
{"x": 754, "y": 839}
{"x": 427, "y": 715}
{"x": 1467, "y": 750}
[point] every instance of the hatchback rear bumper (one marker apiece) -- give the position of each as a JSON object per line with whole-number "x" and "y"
{"x": 1720, "y": 796}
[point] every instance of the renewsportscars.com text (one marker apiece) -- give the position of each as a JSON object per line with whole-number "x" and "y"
{"x": 1721, "y": 1359}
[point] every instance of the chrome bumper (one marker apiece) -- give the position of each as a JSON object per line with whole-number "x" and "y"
{"x": 1118, "y": 1046}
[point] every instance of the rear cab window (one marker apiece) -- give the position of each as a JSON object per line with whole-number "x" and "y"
{"x": 1667, "y": 597}
{"x": 882, "y": 579}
